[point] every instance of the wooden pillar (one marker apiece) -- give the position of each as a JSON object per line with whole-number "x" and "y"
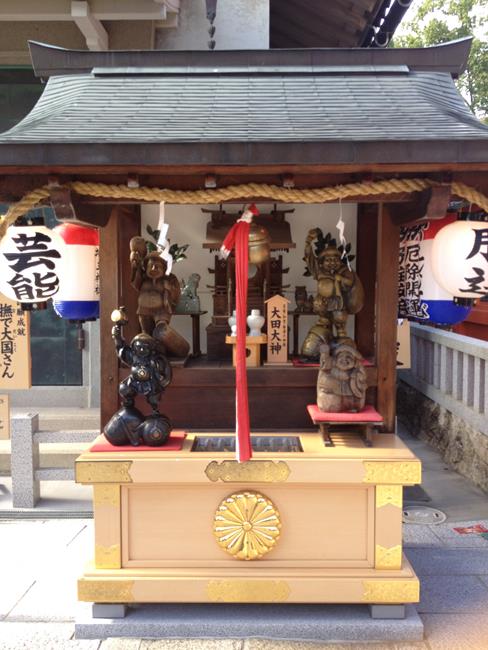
{"x": 115, "y": 290}
{"x": 388, "y": 237}
{"x": 367, "y": 227}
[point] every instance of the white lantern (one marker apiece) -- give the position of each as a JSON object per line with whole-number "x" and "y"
{"x": 420, "y": 297}
{"x": 460, "y": 258}
{"x": 30, "y": 262}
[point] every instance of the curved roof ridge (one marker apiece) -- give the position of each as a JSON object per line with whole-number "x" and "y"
{"x": 49, "y": 60}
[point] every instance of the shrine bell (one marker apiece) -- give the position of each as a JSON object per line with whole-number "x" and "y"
{"x": 259, "y": 242}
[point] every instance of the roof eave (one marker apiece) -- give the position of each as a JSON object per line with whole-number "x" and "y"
{"x": 49, "y": 60}
{"x": 339, "y": 153}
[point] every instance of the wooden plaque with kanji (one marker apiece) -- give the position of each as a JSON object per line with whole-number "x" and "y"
{"x": 277, "y": 325}
{"x": 15, "y": 357}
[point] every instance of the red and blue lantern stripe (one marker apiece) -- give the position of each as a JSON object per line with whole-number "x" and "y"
{"x": 78, "y": 295}
{"x": 434, "y": 304}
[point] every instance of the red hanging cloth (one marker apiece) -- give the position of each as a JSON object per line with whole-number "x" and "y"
{"x": 238, "y": 238}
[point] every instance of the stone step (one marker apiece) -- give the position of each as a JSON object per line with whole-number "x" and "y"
{"x": 59, "y": 455}
{"x": 334, "y": 624}
{"x": 66, "y": 436}
{"x": 55, "y": 474}
{"x": 64, "y": 419}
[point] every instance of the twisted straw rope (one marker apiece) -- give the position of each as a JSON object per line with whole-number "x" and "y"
{"x": 254, "y": 190}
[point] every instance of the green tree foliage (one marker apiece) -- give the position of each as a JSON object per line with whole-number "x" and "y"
{"x": 436, "y": 22}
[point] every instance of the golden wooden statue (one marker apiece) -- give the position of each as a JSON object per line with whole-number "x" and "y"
{"x": 339, "y": 293}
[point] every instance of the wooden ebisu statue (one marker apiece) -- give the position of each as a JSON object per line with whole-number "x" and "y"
{"x": 339, "y": 293}
{"x": 341, "y": 384}
{"x": 158, "y": 296}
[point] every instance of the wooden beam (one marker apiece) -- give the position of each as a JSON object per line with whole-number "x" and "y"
{"x": 94, "y": 32}
{"x": 310, "y": 33}
{"x": 388, "y": 238}
{"x": 109, "y": 294}
{"x": 68, "y": 208}
{"x": 470, "y": 173}
{"x": 319, "y": 19}
{"x": 367, "y": 227}
{"x": 55, "y": 10}
{"x": 115, "y": 290}
{"x": 429, "y": 204}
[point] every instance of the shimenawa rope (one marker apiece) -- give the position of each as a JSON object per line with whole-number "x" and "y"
{"x": 240, "y": 192}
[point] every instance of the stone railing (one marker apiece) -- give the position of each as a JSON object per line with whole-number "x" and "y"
{"x": 24, "y": 460}
{"x": 450, "y": 369}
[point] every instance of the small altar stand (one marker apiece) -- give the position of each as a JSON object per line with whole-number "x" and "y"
{"x": 363, "y": 422}
{"x": 334, "y": 517}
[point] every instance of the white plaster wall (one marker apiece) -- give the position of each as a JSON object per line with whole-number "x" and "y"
{"x": 240, "y": 24}
{"x": 188, "y": 226}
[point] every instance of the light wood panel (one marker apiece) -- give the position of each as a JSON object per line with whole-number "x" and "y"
{"x": 173, "y": 524}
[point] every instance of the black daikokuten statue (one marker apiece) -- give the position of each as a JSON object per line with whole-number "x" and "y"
{"x": 150, "y": 373}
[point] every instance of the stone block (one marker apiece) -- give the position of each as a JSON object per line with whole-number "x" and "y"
{"x": 387, "y": 611}
{"x": 109, "y": 610}
{"x": 24, "y": 460}
{"x": 331, "y": 623}
{"x": 463, "y": 446}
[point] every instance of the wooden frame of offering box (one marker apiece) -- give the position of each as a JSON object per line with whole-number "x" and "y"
{"x": 300, "y": 523}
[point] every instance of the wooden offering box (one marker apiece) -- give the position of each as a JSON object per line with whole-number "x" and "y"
{"x": 326, "y": 522}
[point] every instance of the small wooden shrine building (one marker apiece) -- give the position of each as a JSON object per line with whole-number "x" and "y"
{"x": 383, "y": 128}
{"x": 286, "y": 121}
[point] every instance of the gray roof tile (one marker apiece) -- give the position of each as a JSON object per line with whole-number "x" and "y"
{"x": 386, "y": 106}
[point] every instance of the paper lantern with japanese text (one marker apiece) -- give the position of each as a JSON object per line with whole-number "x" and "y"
{"x": 78, "y": 295}
{"x": 30, "y": 262}
{"x": 421, "y": 297}
{"x": 460, "y": 258}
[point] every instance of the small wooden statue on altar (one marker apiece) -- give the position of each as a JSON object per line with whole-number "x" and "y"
{"x": 150, "y": 373}
{"x": 158, "y": 296}
{"x": 339, "y": 294}
{"x": 341, "y": 384}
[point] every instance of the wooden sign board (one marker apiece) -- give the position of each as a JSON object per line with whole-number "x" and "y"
{"x": 15, "y": 357}
{"x": 277, "y": 324}
{"x": 4, "y": 417}
{"x": 403, "y": 343}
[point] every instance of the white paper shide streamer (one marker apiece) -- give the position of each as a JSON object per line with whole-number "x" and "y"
{"x": 163, "y": 243}
{"x": 340, "y": 225}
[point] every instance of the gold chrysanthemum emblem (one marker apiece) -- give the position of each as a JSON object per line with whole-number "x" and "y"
{"x": 247, "y": 525}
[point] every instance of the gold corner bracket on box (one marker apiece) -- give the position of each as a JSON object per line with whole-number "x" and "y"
{"x": 391, "y": 591}
{"x": 103, "y": 471}
{"x": 253, "y": 471}
{"x": 392, "y": 472}
{"x": 247, "y": 525}
{"x": 106, "y": 495}
{"x": 389, "y": 495}
{"x": 388, "y": 558}
{"x": 107, "y": 557}
{"x": 248, "y": 591}
{"x": 105, "y": 591}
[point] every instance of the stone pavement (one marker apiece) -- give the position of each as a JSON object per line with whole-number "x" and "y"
{"x": 40, "y": 561}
